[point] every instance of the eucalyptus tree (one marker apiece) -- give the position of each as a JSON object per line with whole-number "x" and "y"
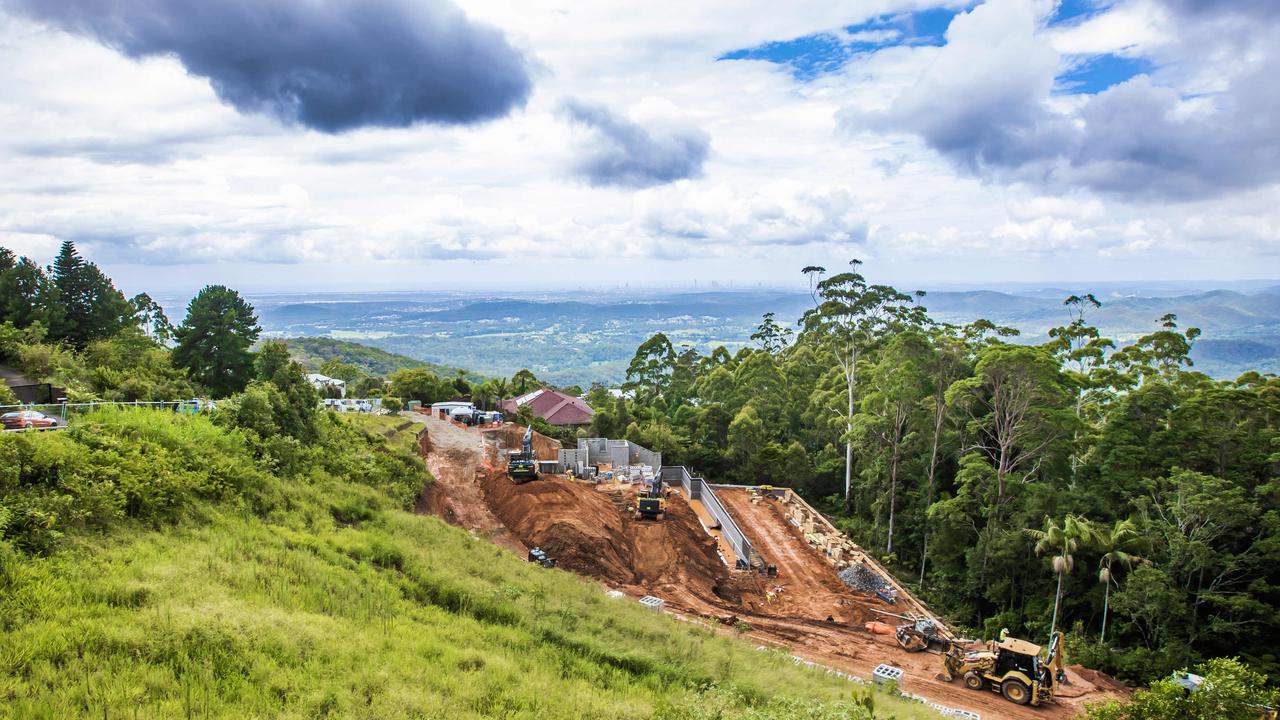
{"x": 946, "y": 364}
{"x": 651, "y": 368}
{"x": 1061, "y": 540}
{"x": 849, "y": 317}
{"x": 1016, "y": 402}
{"x": 772, "y": 337}
{"x": 1082, "y": 350}
{"x": 151, "y": 318}
{"x": 891, "y": 407}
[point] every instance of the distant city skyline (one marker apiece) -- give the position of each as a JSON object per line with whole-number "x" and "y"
{"x": 503, "y": 146}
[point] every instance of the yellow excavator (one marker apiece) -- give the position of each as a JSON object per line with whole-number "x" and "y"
{"x": 1014, "y": 668}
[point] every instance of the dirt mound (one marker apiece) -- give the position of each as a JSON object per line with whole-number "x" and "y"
{"x": 511, "y": 437}
{"x": 1089, "y": 685}
{"x": 587, "y": 533}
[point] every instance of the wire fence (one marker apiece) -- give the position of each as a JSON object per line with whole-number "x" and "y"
{"x": 59, "y": 416}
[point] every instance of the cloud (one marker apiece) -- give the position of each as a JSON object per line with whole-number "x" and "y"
{"x": 330, "y": 66}
{"x": 986, "y": 104}
{"x": 624, "y": 153}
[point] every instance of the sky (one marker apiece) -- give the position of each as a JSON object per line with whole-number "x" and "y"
{"x": 491, "y": 145}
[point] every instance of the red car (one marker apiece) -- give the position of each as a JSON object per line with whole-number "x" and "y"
{"x": 26, "y": 420}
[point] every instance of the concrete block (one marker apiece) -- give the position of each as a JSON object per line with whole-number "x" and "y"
{"x": 653, "y": 603}
{"x": 886, "y": 673}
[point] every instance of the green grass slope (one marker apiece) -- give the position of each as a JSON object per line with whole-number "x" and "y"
{"x": 162, "y": 566}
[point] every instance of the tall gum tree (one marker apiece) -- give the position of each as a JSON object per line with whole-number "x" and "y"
{"x": 850, "y": 317}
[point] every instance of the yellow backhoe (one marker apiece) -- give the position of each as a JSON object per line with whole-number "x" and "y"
{"x": 1014, "y": 668}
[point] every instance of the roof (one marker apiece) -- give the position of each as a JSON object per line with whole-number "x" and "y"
{"x": 1022, "y": 647}
{"x": 553, "y": 406}
{"x": 325, "y": 379}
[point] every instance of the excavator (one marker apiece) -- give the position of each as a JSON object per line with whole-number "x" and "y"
{"x": 523, "y": 466}
{"x": 1010, "y": 667}
{"x": 651, "y": 505}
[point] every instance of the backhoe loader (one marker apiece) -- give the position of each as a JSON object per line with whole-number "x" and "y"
{"x": 1010, "y": 667}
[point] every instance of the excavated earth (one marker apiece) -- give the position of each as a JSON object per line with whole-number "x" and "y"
{"x": 589, "y": 530}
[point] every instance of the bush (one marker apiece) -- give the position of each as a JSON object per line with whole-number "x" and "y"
{"x": 393, "y": 404}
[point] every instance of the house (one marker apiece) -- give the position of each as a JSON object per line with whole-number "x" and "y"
{"x": 320, "y": 382}
{"x": 555, "y": 407}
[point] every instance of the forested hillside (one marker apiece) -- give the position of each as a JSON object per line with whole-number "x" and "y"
{"x": 1109, "y": 491}
{"x": 258, "y": 560}
{"x": 314, "y": 353}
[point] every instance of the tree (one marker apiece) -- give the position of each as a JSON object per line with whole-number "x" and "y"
{"x": 295, "y": 415}
{"x": 1229, "y": 691}
{"x": 151, "y": 318}
{"x": 897, "y": 385}
{"x": 420, "y": 384}
{"x": 946, "y": 365}
{"x": 651, "y": 368}
{"x": 28, "y": 297}
{"x": 1062, "y": 540}
{"x": 1016, "y": 403}
{"x": 1082, "y": 349}
{"x": 92, "y": 307}
{"x": 524, "y": 381}
{"x": 848, "y": 318}
{"x": 335, "y": 368}
{"x": 772, "y": 337}
{"x": 213, "y": 341}
{"x": 1162, "y": 353}
{"x": 1119, "y": 546}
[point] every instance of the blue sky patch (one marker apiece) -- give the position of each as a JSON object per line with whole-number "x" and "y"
{"x": 1071, "y": 12}
{"x": 1096, "y": 73}
{"x": 813, "y": 55}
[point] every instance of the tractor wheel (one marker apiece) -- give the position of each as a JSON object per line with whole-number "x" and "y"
{"x": 974, "y": 681}
{"x": 1015, "y": 692}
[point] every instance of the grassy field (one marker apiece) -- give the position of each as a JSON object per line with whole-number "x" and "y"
{"x": 328, "y": 599}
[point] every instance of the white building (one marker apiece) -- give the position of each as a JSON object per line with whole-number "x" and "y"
{"x": 320, "y": 382}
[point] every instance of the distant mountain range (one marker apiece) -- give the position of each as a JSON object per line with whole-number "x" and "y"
{"x": 577, "y": 338}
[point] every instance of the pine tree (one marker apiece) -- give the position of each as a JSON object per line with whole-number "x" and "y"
{"x": 92, "y": 308}
{"x": 214, "y": 340}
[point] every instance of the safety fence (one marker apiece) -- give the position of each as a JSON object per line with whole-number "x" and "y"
{"x": 698, "y": 489}
{"x": 64, "y": 414}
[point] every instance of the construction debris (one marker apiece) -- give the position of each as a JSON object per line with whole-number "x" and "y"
{"x": 860, "y": 577}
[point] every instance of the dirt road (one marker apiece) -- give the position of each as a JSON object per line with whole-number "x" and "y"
{"x": 455, "y": 457}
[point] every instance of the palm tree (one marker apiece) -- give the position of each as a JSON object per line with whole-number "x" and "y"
{"x": 1062, "y": 540}
{"x": 1119, "y": 545}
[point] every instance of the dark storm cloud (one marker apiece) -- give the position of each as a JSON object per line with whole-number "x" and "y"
{"x": 332, "y": 66}
{"x": 625, "y": 153}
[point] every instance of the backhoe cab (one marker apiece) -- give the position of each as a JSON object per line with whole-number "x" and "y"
{"x": 1010, "y": 667}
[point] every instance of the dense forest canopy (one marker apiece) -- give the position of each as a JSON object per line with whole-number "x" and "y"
{"x": 1111, "y": 492}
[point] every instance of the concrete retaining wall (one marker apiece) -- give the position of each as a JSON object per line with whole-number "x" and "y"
{"x": 618, "y": 453}
{"x": 698, "y": 489}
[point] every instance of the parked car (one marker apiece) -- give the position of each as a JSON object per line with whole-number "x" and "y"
{"x": 26, "y": 420}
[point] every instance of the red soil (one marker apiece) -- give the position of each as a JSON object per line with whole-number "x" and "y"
{"x": 675, "y": 559}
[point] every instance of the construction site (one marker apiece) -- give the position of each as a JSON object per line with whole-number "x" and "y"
{"x": 758, "y": 562}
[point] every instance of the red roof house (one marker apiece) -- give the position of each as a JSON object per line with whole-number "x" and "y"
{"x": 553, "y": 406}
